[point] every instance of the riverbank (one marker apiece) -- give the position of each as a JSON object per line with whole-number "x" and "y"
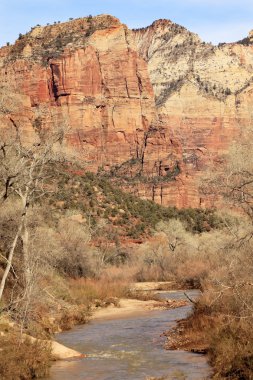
{"x": 126, "y": 307}
{"x": 129, "y": 346}
{"x": 182, "y": 337}
{"x": 132, "y": 307}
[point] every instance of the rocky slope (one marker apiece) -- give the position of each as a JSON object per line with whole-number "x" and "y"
{"x": 149, "y": 108}
{"x": 204, "y": 97}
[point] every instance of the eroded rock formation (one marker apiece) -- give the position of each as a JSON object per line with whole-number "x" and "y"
{"x": 150, "y": 108}
{"x": 204, "y": 97}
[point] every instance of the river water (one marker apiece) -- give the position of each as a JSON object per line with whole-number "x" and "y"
{"x": 130, "y": 349}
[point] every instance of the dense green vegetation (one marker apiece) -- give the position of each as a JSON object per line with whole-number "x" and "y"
{"x": 128, "y": 215}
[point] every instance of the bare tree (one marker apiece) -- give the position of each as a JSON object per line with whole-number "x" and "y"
{"x": 233, "y": 183}
{"x": 23, "y": 174}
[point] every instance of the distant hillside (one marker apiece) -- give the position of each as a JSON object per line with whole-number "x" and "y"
{"x": 128, "y": 218}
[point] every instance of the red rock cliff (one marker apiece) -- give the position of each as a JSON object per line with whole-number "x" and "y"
{"x": 88, "y": 75}
{"x": 151, "y": 107}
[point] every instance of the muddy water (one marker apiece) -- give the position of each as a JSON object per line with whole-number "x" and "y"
{"x": 129, "y": 349}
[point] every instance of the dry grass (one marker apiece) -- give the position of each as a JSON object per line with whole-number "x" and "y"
{"x": 100, "y": 292}
{"x": 126, "y": 273}
{"x": 222, "y": 320}
{"x": 143, "y": 295}
{"x": 231, "y": 350}
{"x": 72, "y": 316}
{"x": 68, "y": 302}
{"x": 22, "y": 359}
{"x": 153, "y": 273}
{"x": 228, "y": 341}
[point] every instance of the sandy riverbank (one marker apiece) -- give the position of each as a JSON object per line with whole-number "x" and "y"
{"x": 130, "y": 307}
{"x": 126, "y": 308}
{"x": 152, "y": 286}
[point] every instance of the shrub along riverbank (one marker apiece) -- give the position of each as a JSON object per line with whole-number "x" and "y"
{"x": 82, "y": 254}
{"x": 221, "y": 323}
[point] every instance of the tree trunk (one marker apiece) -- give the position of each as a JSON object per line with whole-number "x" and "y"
{"x": 25, "y": 241}
{"x": 10, "y": 258}
{"x": 13, "y": 246}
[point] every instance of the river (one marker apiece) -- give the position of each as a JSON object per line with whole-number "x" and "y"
{"x": 130, "y": 349}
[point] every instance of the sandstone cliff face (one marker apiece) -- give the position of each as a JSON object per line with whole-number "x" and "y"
{"x": 151, "y": 107}
{"x": 204, "y": 98}
{"x": 88, "y": 75}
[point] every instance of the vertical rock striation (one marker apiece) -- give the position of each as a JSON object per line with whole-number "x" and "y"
{"x": 88, "y": 75}
{"x": 149, "y": 107}
{"x": 204, "y": 98}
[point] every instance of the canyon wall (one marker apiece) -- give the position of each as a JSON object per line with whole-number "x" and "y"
{"x": 204, "y": 97}
{"x": 88, "y": 76}
{"x": 149, "y": 108}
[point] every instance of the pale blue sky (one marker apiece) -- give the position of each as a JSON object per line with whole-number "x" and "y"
{"x": 214, "y": 20}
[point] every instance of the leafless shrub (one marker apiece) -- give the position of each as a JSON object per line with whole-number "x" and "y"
{"x": 23, "y": 359}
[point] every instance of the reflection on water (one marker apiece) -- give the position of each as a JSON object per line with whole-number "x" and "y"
{"x": 129, "y": 349}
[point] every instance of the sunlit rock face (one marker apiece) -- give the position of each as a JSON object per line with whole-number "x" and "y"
{"x": 151, "y": 108}
{"x": 204, "y": 98}
{"x": 88, "y": 75}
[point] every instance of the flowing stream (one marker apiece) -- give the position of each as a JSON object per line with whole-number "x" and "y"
{"x": 130, "y": 348}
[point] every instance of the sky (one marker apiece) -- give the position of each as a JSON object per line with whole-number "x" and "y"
{"x": 213, "y": 20}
